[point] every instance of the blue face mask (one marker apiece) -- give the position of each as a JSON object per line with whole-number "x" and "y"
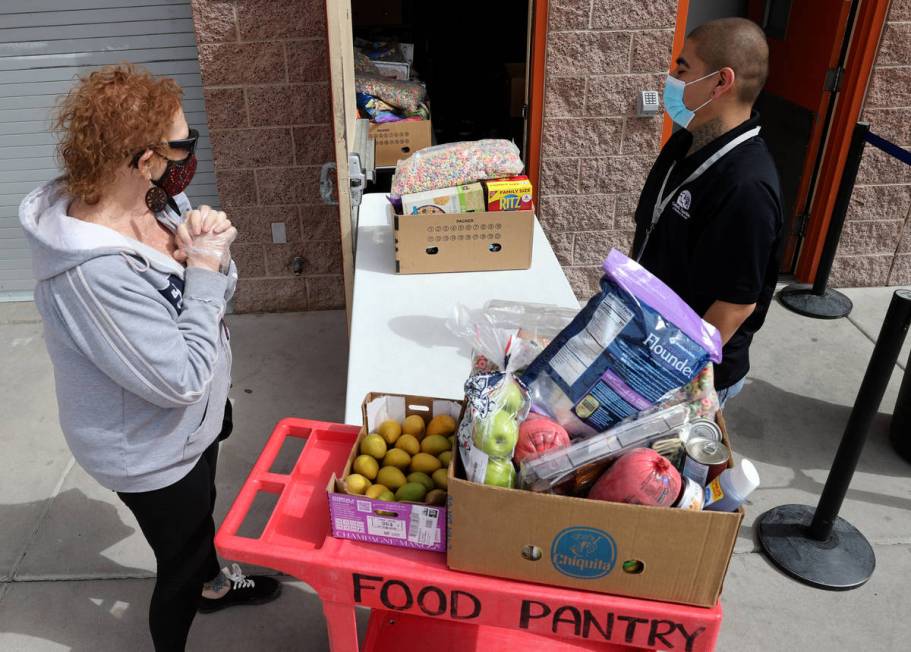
{"x": 673, "y": 99}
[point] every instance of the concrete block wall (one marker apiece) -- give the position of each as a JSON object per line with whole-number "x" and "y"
{"x": 265, "y": 74}
{"x": 595, "y": 152}
{"x": 875, "y": 247}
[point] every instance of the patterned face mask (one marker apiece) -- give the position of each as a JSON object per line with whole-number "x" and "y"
{"x": 177, "y": 175}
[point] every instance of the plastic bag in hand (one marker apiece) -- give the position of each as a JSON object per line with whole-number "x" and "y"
{"x": 214, "y": 247}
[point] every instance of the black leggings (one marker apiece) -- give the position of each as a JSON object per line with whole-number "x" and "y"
{"x": 177, "y": 522}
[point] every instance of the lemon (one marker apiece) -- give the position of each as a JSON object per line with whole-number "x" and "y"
{"x": 445, "y": 458}
{"x": 442, "y": 424}
{"x": 397, "y": 458}
{"x": 413, "y": 492}
{"x": 441, "y": 479}
{"x": 390, "y": 431}
{"x": 367, "y": 466}
{"x": 423, "y": 478}
{"x": 391, "y": 477}
{"x": 435, "y": 444}
{"x": 356, "y": 484}
{"x": 374, "y": 490}
{"x": 373, "y": 445}
{"x": 409, "y": 444}
{"x": 425, "y": 463}
{"x": 414, "y": 426}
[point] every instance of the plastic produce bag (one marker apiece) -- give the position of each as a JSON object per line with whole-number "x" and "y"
{"x": 511, "y": 331}
{"x": 400, "y": 94}
{"x": 634, "y": 343}
{"x": 496, "y": 401}
{"x": 455, "y": 164}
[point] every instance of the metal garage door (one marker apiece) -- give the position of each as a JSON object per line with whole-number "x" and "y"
{"x": 42, "y": 48}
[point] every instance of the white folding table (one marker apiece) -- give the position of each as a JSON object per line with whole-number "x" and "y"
{"x": 399, "y": 340}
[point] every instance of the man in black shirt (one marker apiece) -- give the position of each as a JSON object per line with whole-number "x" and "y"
{"x": 709, "y": 217}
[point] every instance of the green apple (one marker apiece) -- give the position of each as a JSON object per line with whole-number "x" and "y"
{"x": 511, "y": 398}
{"x": 502, "y": 435}
{"x": 500, "y": 473}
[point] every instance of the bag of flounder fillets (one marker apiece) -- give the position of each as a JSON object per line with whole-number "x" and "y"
{"x": 633, "y": 343}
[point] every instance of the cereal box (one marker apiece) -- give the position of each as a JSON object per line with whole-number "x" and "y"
{"x": 511, "y": 194}
{"x": 459, "y": 199}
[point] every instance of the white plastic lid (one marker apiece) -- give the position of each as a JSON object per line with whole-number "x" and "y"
{"x": 744, "y": 478}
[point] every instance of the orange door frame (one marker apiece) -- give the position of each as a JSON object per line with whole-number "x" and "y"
{"x": 683, "y": 10}
{"x": 865, "y": 35}
{"x": 536, "y": 75}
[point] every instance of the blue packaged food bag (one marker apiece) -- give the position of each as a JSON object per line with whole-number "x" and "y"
{"x": 634, "y": 342}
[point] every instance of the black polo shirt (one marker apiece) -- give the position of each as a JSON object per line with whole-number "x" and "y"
{"x": 717, "y": 239}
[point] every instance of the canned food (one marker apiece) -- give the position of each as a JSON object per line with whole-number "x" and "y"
{"x": 692, "y": 495}
{"x": 705, "y": 459}
{"x": 705, "y": 428}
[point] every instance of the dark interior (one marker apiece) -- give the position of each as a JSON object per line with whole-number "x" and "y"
{"x": 462, "y": 53}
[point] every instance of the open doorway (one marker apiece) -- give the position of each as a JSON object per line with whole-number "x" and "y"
{"x": 473, "y": 61}
{"x": 807, "y": 45}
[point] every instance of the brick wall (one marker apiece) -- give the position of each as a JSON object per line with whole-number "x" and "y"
{"x": 265, "y": 76}
{"x": 875, "y": 247}
{"x": 595, "y": 152}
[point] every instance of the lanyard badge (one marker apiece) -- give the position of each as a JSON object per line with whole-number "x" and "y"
{"x": 663, "y": 200}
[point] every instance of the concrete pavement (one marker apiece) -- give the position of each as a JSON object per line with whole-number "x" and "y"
{"x": 75, "y": 573}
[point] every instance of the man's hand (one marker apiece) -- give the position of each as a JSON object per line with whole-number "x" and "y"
{"x": 727, "y": 317}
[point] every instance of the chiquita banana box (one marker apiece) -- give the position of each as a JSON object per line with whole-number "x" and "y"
{"x": 512, "y": 194}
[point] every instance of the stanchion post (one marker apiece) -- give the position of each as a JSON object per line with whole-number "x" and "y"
{"x": 872, "y": 388}
{"x": 816, "y": 546}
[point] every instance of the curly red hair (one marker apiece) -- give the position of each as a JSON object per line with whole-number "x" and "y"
{"x": 111, "y": 114}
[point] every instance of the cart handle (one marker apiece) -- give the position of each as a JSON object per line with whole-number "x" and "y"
{"x": 248, "y": 549}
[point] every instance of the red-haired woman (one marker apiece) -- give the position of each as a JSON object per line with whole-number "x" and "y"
{"x": 132, "y": 288}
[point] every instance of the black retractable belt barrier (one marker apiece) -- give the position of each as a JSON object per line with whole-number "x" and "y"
{"x": 815, "y": 545}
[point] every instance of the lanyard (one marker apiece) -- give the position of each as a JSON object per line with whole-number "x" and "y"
{"x": 661, "y": 204}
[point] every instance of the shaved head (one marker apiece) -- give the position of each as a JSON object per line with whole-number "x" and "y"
{"x": 739, "y": 44}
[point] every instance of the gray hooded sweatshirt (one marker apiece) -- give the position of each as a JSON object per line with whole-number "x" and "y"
{"x": 142, "y": 365}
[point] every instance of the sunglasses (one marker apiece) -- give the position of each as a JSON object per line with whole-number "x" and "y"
{"x": 187, "y": 145}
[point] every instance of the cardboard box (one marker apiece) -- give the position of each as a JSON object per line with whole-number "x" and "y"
{"x": 462, "y": 242}
{"x": 399, "y": 140}
{"x": 460, "y": 199}
{"x": 406, "y": 525}
{"x": 394, "y": 69}
{"x": 674, "y": 555}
